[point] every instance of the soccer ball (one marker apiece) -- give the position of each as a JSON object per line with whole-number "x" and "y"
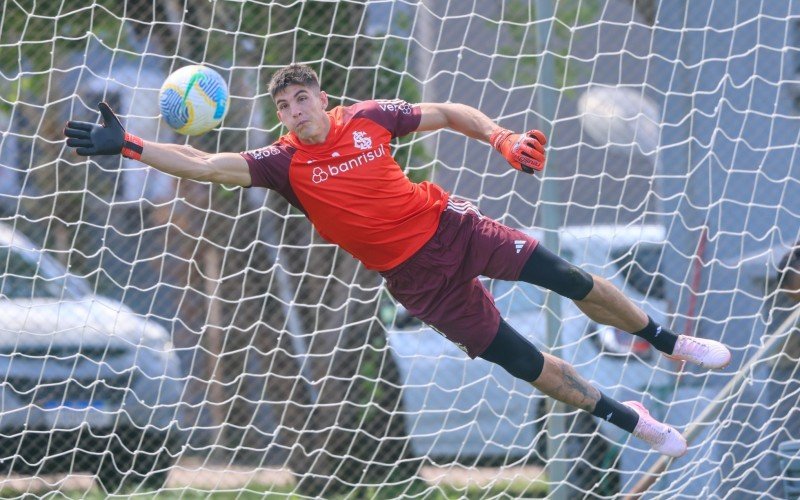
{"x": 194, "y": 99}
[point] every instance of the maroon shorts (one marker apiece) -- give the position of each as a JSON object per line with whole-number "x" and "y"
{"x": 439, "y": 284}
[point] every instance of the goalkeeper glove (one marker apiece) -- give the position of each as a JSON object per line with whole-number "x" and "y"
{"x": 91, "y": 139}
{"x": 524, "y": 152}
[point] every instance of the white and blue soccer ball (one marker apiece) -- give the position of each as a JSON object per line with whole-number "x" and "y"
{"x": 194, "y": 99}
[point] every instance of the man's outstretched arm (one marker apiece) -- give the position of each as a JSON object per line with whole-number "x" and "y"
{"x": 190, "y": 163}
{"x": 525, "y": 152}
{"x": 91, "y": 139}
{"x": 459, "y": 117}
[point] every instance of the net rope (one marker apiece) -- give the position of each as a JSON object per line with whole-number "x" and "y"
{"x": 173, "y": 335}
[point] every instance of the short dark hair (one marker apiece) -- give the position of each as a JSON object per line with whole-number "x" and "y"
{"x": 293, "y": 74}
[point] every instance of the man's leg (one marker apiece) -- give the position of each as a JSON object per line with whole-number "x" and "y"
{"x": 601, "y": 301}
{"x": 606, "y": 305}
{"x": 559, "y": 380}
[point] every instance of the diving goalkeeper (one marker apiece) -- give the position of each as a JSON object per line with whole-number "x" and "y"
{"x": 430, "y": 247}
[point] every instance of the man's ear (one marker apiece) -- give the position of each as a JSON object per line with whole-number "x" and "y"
{"x": 323, "y": 98}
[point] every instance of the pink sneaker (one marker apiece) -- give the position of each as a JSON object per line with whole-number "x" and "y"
{"x": 704, "y": 352}
{"x": 661, "y": 437}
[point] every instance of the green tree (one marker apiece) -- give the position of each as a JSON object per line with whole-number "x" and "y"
{"x": 521, "y": 68}
{"x": 365, "y": 430}
{"x": 353, "y": 432}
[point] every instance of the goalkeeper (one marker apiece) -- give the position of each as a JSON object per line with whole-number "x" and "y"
{"x": 336, "y": 167}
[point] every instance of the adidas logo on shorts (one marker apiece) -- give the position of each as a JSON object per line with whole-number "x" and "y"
{"x": 519, "y": 244}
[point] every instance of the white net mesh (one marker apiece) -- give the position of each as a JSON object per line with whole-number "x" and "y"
{"x": 252, "y": 357}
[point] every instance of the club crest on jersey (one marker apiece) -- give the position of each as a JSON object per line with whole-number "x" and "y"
{"x": 362, "y": 140}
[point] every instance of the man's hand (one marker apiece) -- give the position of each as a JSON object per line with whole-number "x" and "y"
{"x": 524, "y": 152}
{"x": 91, "y": 139}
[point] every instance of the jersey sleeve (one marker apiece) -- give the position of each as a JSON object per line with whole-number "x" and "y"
{"x": 397, "y": 116}
{"x": 269, "y": 166}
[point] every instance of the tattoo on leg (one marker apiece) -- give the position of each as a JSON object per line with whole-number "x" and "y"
{"x": 567, "y": 386}
{"x": 560, "y": 381}
{"x": 573, "y": 383}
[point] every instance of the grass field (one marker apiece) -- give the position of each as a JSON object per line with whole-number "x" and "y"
{"x": 440, "y": 492}
{"x": 435, "y": 484}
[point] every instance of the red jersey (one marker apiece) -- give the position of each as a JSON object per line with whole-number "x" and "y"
{"x": 351, "y": 189}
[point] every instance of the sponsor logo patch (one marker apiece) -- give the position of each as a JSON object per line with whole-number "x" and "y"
{"x": 262, "y": 153}
{"x": 318, "y": 175}
{"x": 321, "y": 174}
{"x": 394, "y": 105}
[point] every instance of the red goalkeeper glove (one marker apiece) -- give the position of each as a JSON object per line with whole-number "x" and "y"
{"x": 90, "y": 139}
{"x": 524, "y": 152}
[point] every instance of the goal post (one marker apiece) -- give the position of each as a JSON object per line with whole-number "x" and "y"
{"x": 164, "y": 334}
{"x": 772, "y": 347}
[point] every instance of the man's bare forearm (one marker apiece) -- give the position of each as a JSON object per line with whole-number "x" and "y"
{"x": 470, "y": 121}
{"x": 459, "y": 117}
{"x": 176, "y": 159}
{"x": 190, "y": 163}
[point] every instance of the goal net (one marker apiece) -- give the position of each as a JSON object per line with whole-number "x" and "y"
{"x": 159, "y": 334}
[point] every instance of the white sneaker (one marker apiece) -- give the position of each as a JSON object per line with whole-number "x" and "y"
{"x": 704, "y": 352}
{"x": 661, "y": 437}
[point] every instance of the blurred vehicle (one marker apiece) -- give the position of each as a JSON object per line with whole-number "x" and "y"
{"x": 86, "y": 385}
{"x": 462, "y": 408}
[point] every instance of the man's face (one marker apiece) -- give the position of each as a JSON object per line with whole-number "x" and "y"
{"x": 302, "y": 110}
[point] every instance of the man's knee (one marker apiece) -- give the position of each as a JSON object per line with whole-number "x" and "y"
{"x": 515, "y": 354}
{"x": 550, "y": 271}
